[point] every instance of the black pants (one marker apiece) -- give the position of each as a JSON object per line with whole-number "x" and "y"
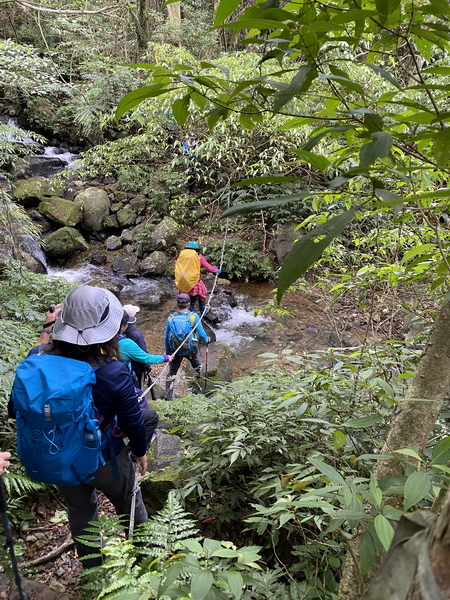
{"x": 201, "y": 304}
{"x": 81, "y": 500}
{"x": 173, "y": 370}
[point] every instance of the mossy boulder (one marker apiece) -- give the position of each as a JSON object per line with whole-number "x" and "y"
{"x": 160, "y": 237}
{"x": 216, "y": 366}
{"x": 60, "y": 211}
{"x": 155, "y": 264}
{"x": 94, "y": 204}
{"x": 156, "y": 486}
{"x": 64, "y": 241}
{"x": 126, "y": 217}
{"x": 29, "y": 191}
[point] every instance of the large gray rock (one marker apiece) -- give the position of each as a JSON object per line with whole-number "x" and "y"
{"x": 61, "y": 211}
{"x": 155, "y": 264}
{"x": 94, "y": 204}
{"x": 284, "y": 240}
{"x": 162, "y": 236}
{"x": 64, "y": 241}
{"x": 125, "y": 263}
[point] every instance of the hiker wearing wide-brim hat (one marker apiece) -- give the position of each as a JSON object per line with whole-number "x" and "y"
{"x": 187, "y": 275}
{"x": 86, "y": 330}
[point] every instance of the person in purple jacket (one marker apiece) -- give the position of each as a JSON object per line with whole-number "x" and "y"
{"x": 86, "y": 329}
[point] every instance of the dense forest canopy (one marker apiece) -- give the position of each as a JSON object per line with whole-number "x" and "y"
{"x": 332, "y": 117}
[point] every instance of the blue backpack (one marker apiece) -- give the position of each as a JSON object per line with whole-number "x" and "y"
{"x": 58, "y": 435}
{"x": 180, "y": 333}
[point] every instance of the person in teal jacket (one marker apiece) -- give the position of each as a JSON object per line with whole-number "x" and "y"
{"x": 129, "y": 350}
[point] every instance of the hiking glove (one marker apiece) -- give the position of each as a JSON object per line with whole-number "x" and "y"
{"x": 218, "y": 271}
{"x": 166, "y": 358}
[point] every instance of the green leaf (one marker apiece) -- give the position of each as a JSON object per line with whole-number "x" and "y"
{"x": 180, "y": 109}
{"x": 408, "y": 452}
{"x": 192, "y": 546}
{"x": 363, "y": 421}
{"x": 417, "y": 486}
{"x": 236, "y": 583}
{"x": 133, "y": 98}
{"x": 251, "y": 207}
{"x": 267, "y": 179}
{"x": 378, "y": 148}
{"x": 441, "y": 147}
{"x": 299, "y": 84}
{"x": 224, "y": 10}
{"x": 307, "y": 250}
{"x": 367, "y": 553}
{"x": 201, "y": 584}
{"x": 170, "y": 577}
{"x": 327, "y": 470}
{"x": 384, "y": 531}
{"x": 441, "y": 452}
{"x": 316, "y": 160}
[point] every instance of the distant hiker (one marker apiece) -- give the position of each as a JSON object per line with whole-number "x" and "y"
{"x": 138, "y": 368}
{"x": 4, "y": 461}
{"x": 187, "y": 275}
{"x": 179, "y": 326}
{"x": 79, "y": 364}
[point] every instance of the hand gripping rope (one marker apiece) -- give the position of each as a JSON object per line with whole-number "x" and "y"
{"x": 205, "y": 310}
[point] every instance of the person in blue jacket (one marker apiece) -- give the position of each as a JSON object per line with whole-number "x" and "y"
{"x": 86, "y": 329}
{"x": 183, "y": 302}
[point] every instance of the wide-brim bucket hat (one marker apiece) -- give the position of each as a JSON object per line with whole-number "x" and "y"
{"x": 91, "y": 315}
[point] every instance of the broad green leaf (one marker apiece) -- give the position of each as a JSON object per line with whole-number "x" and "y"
{"x": 389, "y": 198}
{"x": 307, "y": 250}
{"x": 133, "y": 98}
{"x": 299, "y": 84}
{"x": 346, "y": 83}
{"x": 251, "y": 207}
{"x": 201, "y": 584}
{"x": 378, "y": 148}
{"x": 225, "y": 553}
{"x": 417, "y": 486}
{"x": 375, "y": 490}
{"x": 441, "y": 147}
{"x": 268, "y": 179}
{"x": 329, "y": 131}
{"x": 327, "y": 470}
{"x": 384, "y": 531}
{"x": 363, "y": 421}
{"x": 169, "y": 578}
{"x": 236, "y": 583}
{"x": 316, "y": 160}
{"x": 180, "y": 109}
{"x": 192, "y": 546}
{"x": 367, "y": 553}
{"x": 224, "y": 10}
{"x": 417, "y": 251}
{"x": 441, "y": 452}
{"x": 408, "y": 452}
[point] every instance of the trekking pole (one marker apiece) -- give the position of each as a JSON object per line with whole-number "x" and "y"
{"x": 9, "y": 543}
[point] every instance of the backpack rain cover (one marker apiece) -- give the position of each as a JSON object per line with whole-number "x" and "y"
{"x": 187, "y": 270}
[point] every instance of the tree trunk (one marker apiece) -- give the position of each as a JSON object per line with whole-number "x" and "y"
{"x": 174, "y": 13}
{"x": 412, "y": 426}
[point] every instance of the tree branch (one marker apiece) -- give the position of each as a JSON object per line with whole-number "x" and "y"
{"x": 67, "y": 11}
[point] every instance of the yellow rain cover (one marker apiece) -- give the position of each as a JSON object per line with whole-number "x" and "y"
{"x": 187, "y": 270}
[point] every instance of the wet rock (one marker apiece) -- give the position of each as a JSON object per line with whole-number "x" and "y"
{"x": 94, "y": 204}
{"x": 108, "y": 285}
{"x": 138, "y": 204}
{"x": 126, "y": 217}
{"x": 109, "y": 180}
{"x": 97, "y": 257}
{"x": 126, "y": 264}
{"x": 215, "y": 359}
{"x": 60, "y": 211}
{"x": 337, "y": 341}
{"x": 64, "y": 241}
{"x": 127, "y": 236}
{"x": 113, "y": 243}
{"x": 116, "y": 206}
{"x": 155, "y": 264}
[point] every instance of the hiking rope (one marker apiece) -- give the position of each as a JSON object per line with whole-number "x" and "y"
{"x": 133, "y": 508}
{"x": 205, "y": 310}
